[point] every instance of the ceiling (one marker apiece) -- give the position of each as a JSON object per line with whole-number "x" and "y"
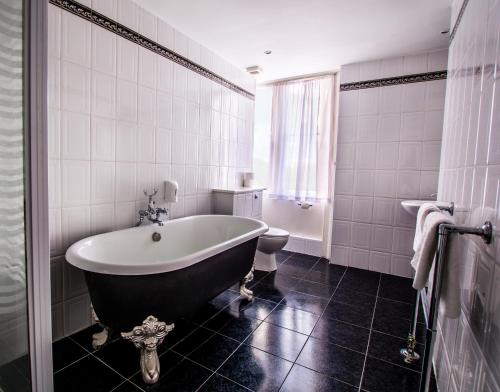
{"x": 307, "y": 36}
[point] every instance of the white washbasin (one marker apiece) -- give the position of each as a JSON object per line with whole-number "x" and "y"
{"x": 412, "y": 206}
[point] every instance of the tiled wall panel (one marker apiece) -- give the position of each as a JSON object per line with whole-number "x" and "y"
{"x": 470, "y": 176}
{"x": 388, "y": 150}
{"x": 123, "y": 119}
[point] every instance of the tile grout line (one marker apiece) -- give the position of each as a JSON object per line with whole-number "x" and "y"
{"x": 309, "y": 336}
{"x": 244, "y": 340}
{"x": 369, "y": 335}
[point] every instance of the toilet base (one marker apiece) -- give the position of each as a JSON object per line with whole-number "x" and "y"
{"x": 265, "y": 261}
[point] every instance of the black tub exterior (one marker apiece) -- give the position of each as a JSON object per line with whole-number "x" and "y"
{"x": 122, "y": 302}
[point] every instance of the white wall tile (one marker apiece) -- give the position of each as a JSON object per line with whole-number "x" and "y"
{"x": 103, "y": 139}
{"x": 76, "y": 39}
{"x": 126, "y": 101}
{"x": 126, "y": 138}
{"x": 128, "y": 14}
{"x": 414, "y": 97}
{"x": 105, "y": 7}
{"x": 146, "y": 143}
{"x": 146, "y": 106}
{"x": 163, "y": 146}
{"x": 75, "y": 183}
{"x": 147, "y": 68}
{"x": 75, "y": 136}
{"x": 103, "y": 186}
{"x": 75, "y": 88}
{"x": 359, "y": 258}
{"x": 127, "y": 60}
{"x": 103, "y": 95}
{"x": 111, "y": 119}
{"x": 103, "y": 50}
{"x": 360, "y": 236}
{"x": 147, "y": 24}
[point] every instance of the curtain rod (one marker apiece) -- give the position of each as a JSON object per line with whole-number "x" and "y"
{"x": 297, "y": 78}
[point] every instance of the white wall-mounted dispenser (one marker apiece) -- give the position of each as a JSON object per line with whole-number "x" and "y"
{"x": 171, "y": 188}
{"x": 248, "y": 179}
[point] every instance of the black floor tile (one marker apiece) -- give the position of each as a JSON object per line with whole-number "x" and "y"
{"x": 127, "y": 386}
{"x": 280, "y": 281}
{"x": 276, "y": 340}
{"x": 360, "y": 280}
{"x": 122, "y": 356}
{"x": 217, "y": 383}
{"x": 22, "y": 365}
{"x": 342, "y": 334}
{"x": 317, "y": 289}
{"x": 303, "y": 258}
{"x": 302, "y": 379}
{"x": 397, "y": 288}
{"x": 297, "y": 265}
{"x": 88, "y": 374}
{"x": 361, "y": 301}
{"x": 186, "y": 376}
{"x": 258, "y": 308}
{"x": 12, "y": 379}
{"x": 387, "y": 348}
{"x": 84, "y": 337}
{"x": 389, "y": 308}
{"x": 193, "y": 341}
{"x": 181, "y": 330}
{"x": 294, "y": 319}
{"x": 237, "y": 327}
{"x": 274, "y": 328}
{"x": 214, "y": 351}
{"x": 282, "y": 255}
{"x": 205, "y": 312}
{"x": 268, "y": 292}
{"x": 335, "y": 361}
{"x": 381, "y": 376}
{"x": 325, "y": 273}
{"x": 256, "y": 369}
{"x": 224, "y": 299}
{"x": 259, "y": 275}
{"x": 65, "y": 352}
{"x": 349, "y": 314}
{"x": 396, "y": 326}
{"x": 309, "y": 303}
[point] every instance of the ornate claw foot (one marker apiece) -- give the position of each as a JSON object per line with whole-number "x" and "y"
{"x": 244, "y": 292}
{"x": 99, "y": 338}
{"x": 409, "y": 354}
{"x": 147, "y": 337}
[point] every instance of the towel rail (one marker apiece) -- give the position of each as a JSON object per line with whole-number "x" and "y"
{"x": 486, "y": 233}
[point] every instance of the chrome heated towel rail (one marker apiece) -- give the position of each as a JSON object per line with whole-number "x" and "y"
{"x": 410, "y": 355}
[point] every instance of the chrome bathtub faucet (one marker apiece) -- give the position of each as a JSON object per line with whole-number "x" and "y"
{"x": 152, "y": 213}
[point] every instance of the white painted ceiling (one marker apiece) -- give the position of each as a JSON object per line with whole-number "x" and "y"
{"x": 307, "y": 36}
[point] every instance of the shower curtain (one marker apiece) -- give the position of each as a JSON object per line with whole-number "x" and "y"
{"x": 303, "y": 144}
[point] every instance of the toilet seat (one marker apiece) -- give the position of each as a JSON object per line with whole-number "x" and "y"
{"x": 275, "y": 232}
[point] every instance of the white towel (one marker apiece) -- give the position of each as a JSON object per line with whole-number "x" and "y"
{"x": 424, "y": 257}
{"x": 424, "y": 210}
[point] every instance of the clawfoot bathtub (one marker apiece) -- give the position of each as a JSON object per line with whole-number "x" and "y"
{"x": 141, "y": 280}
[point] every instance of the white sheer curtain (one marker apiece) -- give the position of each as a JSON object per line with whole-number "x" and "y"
{"x": 301, "y": 135}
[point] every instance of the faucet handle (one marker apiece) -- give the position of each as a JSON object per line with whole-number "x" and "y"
{"x": 155, "y": 191}
{"x": 161, "y": 211}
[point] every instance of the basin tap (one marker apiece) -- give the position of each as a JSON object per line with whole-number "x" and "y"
{"x": 152, "y": 213}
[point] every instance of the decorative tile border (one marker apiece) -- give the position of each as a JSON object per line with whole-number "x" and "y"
{"x": 115, "y": 27}
{"x": 459, "y": 19}
{"x": 405, "y": 79}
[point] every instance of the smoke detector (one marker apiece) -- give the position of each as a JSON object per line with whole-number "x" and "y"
{"x": 254, "y": 70}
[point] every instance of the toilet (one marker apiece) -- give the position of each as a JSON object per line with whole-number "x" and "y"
{"x": 269, "y": 243}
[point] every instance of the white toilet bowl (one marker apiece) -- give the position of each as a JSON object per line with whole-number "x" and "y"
{"x": 269, "y": 243}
